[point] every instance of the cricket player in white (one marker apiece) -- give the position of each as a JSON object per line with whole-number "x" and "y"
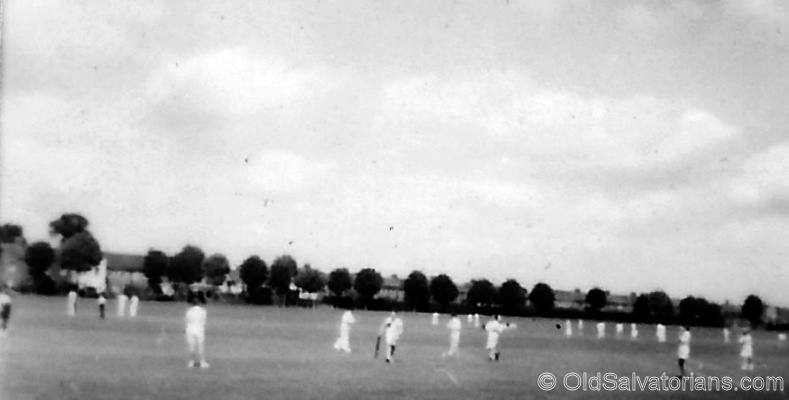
{"x": 726, "y": 335}
{"x": 454, "y": 327}
{"x": 601, "y": 330}
{"x": 620, "y": 330}
{"x": 660, "y": 331}
{"x": 393, "y": 330}
{"x": 134, "y": 304}
{"x": 71, "y": 304}
{"x": 195, "y": 332}
{"x": 122, "y": 299}
{"x": 494, "y": 328}
{"x": 746, "y": 352}
{"x": 633, "y": 331}
{"x": 435, "y": 318}
{"x": 568, "y": 328}
{"x": 343, "y": 342}
{"x": 683, "y": 351}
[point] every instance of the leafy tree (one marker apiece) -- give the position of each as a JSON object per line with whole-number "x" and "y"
{"x": 512, "y": 295}
{"x": 283, "y": 269}
{"x": 10, "y": 233}
{"x": 367, "y": 284}
{"x": 688, "y": 310}
{"x": 712, "y": 315}
{"x": 215, "y": 269}
{"x": 68, "y": 225}
{"x": 542, "y": 298}
{"x": 596, "y": 298}
{"x": 752, "y": 309}
{"x": 417, "y": 291}
{"x": 155, "y": 266}
{"x": 79, "y": 250}
{"x": 310, "y": 280}
{"x": 340, "y": 281}
{"x": 661, "y": 307}
{"x": 698, "y": 311}
{"x": 39, "y": 257}
{"x": 641, "y": 309}
{"x": 443, "y": 290}
{"x": 482, "y": 293}
{"x": 186, "y": 266}
{"x": 253, "y": 272}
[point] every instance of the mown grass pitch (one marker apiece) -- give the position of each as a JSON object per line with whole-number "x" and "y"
{"x": 274, "y": 353}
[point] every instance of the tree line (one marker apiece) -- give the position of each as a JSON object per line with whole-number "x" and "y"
{"x": 79, "y": 251}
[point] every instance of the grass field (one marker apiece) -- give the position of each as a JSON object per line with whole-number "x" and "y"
{"x": 274, "y": 353}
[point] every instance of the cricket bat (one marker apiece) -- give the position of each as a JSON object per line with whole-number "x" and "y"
{"x": 377, "y": 346}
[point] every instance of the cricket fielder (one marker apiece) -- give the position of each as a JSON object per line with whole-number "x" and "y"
{"x": 195, "y": 332}
{"x": 71, "y": 304}
{"x": 5, "y": 310}
{"x": 494, "y": 328}
{"x": 392, "y": 332}
{"x": 601, "y": 330}
{"x": 343, "y": 342}
{"x": 134, "y": 304}
{"x": 454, "y": 327}
{"x": 122, "y": 300}
{"x": 568, "y": 328}
{"x": 726, "y": 335}
{"x": 660, "y": 332}
{"x": 746, "y": 351}
{"x": 633, "y": 331}
{"x": 683, "y": 351}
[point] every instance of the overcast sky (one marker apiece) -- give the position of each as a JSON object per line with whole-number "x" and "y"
{"x": 631, "y": 145}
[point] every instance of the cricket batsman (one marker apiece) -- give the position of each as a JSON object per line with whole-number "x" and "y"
{"x": 392, "y": 330}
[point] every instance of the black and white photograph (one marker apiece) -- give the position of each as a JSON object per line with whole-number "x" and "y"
{"x": 405, "y": 199}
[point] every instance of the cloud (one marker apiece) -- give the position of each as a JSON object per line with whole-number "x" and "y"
{"x": 761, "y": 183}
{"x": 91, "y": 47}
{"x": 275, "y": 171}
{"x": 639, "y": 134}
{"x": 541, "y": 9}
{"x": 770, "y": 11}
{"x": 232, "y": 83}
